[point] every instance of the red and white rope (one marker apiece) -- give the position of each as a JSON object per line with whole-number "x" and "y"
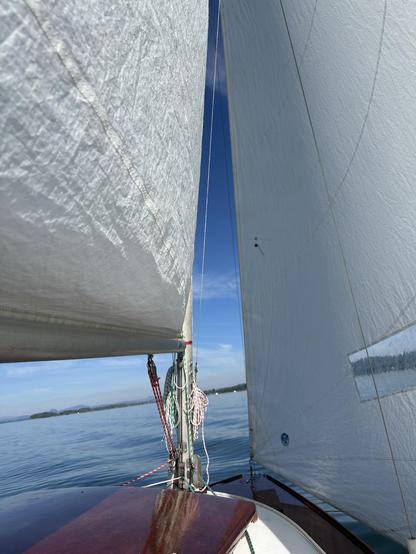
{"x": 154, "y": 381}
{"x": 143, "y": 475}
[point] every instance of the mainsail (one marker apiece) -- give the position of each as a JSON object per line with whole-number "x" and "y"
{"x": 323, "y": 130}
{"x": 101, "y": 110}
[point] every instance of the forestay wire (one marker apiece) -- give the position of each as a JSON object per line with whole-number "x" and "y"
{"x": 204, "y": 241}
{"x": 199, "y": 399}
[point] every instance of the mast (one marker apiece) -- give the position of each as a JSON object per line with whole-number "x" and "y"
{"x": 183, "y": 469}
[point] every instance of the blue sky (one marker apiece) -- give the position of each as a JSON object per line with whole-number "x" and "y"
{"x": 30, "y": 387}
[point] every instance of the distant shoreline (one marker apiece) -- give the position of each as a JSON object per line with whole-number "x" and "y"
{"x": 86, "y": 409}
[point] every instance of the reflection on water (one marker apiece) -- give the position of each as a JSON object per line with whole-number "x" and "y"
{"x": 110, "y": 447}
{"x": 390, "y": 366}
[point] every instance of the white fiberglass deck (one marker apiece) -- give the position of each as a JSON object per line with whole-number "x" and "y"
{"x": 274, "y": 533}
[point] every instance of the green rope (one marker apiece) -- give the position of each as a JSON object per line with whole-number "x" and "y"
{"x": 250, "y": 544}
{"x": 169, "y": 399}
{"x": 168, "y": 382}
{"x": 247, "y": 536}
{"x": 171, "y": 412}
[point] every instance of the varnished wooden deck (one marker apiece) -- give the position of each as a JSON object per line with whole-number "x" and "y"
{"x": 121, "y": 520}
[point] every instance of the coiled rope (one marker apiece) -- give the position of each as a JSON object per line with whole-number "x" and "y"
{"x": 170, "y": 399}
{"x": 198, "y": 406}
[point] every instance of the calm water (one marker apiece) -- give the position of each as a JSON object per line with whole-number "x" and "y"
{"x": 110, "y": 447}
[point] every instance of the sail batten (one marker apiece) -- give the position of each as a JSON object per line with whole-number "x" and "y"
{"x": 102, "y": 108}
{"x": 322, "y": 129}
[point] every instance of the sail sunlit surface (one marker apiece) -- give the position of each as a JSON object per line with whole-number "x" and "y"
{"x": 101, "y": 113}
{"x": 323, "y": 123}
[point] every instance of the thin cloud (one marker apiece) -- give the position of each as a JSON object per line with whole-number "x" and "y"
{"x": 216, "y": 286}
{"x": 25, "y": 369}
{"x": 220, "y": 365}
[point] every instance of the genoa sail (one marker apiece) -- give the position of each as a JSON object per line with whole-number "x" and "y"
{"x": 101, "y": 112}
{"x": 321, "y": 101}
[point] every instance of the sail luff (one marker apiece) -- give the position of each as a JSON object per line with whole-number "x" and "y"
{"x": 239, "y": 222}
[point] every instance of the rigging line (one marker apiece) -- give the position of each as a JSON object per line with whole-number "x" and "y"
{"x": 315, "y": 140}
{"x": 206, "y": 483}
{"x": 169, "y": 481}
{"x": 201, "y": 285}
{"x": 143, "y": 475}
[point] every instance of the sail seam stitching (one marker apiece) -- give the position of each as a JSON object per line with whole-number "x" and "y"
{"x": 338, "y": 187}
{"x": 305, "y": 48}
{"x": 344, "y": 260}
{"x": 370, "y": 102}
{"x": 11, "y": 313}
{"x": 334, "y": 196}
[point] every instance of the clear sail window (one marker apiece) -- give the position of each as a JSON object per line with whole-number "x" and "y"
{"x": 390, "y": 366}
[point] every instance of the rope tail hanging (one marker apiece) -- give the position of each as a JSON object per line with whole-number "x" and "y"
{"x": 154, "y": 381}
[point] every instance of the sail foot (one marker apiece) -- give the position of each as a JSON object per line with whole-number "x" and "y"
{"x": 23, "y": 340}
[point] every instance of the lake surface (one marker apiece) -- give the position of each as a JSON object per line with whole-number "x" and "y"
{"x": 110, "y": 447}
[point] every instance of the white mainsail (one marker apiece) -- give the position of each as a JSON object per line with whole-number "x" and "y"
{"x": 323, "y": 129}
{"x": 101, "y": 110}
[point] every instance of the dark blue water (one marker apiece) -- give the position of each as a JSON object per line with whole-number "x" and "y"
{"x": 110, "y": 447}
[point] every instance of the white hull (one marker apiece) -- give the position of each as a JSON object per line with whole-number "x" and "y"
{"x": 274, "y": 533}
